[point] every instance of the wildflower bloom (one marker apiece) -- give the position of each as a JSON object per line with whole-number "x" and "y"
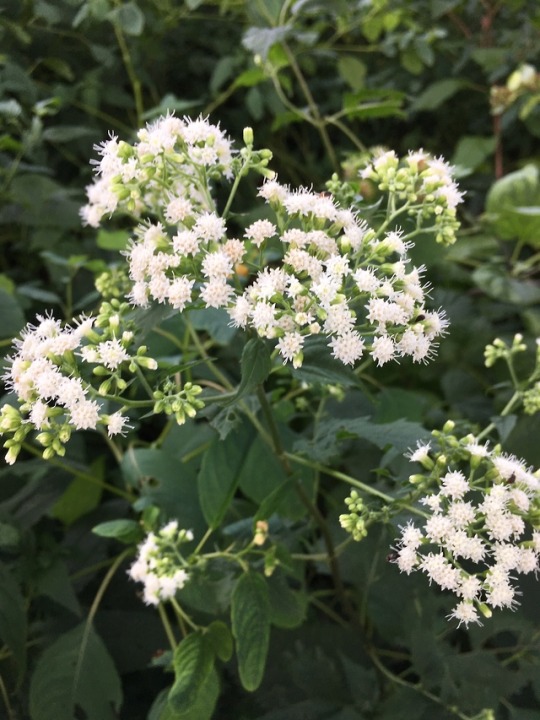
{"x": 337, "y": 276}
{"x": 160, "y": 565}
{"x": 481, "y": 531}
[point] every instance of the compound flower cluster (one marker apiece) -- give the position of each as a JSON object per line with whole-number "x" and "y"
{"x": 330, "y": 273}
{"x": 45, "y": 374}
{"x": 482, "y": 526}
{"x": 423, "y": 184}
{"x": 159, "y": 565}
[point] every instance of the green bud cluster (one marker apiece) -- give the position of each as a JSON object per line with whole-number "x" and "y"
{"x": 354, "y": 522}
{"x": 182, "y": 403}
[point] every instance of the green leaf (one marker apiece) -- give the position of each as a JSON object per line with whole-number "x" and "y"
{"x": 76, "y": 670}
{"x": 400, "y": 435}
{"x": 81, "y": 496}
{"x": 13, "y": 625}
{"x": 287, "y": 606}
{"x": 126, "y": 531}
{"x": 215, "y": 321}
{"x": 471, "y": 152}
{"x": 166, "y": 482}
{"x": 202, "y": 709}
{"x": 65, "y": 133}
{"x": 320, "y": 367}
{"x": 250, "y": 616}
{"x": 352, "y": 70}
{"x": 260, "y": 40}
{"x": 112, "y": 240}
{"x": 220, "y": 638}
{"x": 255, "y": 365}
{"x": 495, "y": 281}
{"x": 193, "y": 662}
{"x": 513, "y": 206}
{"x": 220, "y": 474}
{"x": 437, "y": 93}
{"x": 12, "y": 315}
{"x": 130, "y": 18}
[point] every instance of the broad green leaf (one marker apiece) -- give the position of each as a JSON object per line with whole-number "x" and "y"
{"x": 471, "y": 152}
{"x": 215, "y": 321}
{"x": 202, "y": 709}
{"x": 126, "y": 531}
{"x": 81, "y": 496}
{"x": 352, "y": 70}
{"x": 112, "y": 240}
{"x": 193, "y": 662}
{"x": 13, "y": 625}
{"x": 166, "y": 482}
{"x": 220, "y": 638}
{"x": 437, "y": 93}
{"x": 250, "y": 617}
{"x": 255, "y": 365}
{"x": 250, "y": 77}
{"x": 496, "y": 282}
{"x": 54, "y": 582}
{"x": 513, "y": 206}
{"x": 400, "y": 435}
{"x": 76, "y": 670}
{"x": 220, "y": 474}
{"x": 287, "y": 606}
{"x": 12, "y": 315}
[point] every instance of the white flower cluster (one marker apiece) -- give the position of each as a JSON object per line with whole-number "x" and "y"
{"x": 172, "y": 156}
{"x": 160, "y": 565}
{"x": 337, "y": 276}
{"x": 45, "y": 374}
{"x": 424, "y": 183}
{"x": 482, "y": 530}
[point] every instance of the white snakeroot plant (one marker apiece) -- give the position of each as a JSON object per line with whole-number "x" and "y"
{"x": 337, "y": 276}
{"x": 481, "y": 529}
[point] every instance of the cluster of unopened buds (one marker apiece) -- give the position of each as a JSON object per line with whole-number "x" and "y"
{"x": 160, "y": 565}
{"x": 482, "y": 523}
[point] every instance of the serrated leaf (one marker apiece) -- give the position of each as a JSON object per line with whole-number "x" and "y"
{"x": 287, "y": 606}
{"x": 220, "y": 638}
{"x": 250, "y": 616}
{"x": 126, "y": 531}
{"x": 193, "y": 662}
{"x": 71, "y": 672}
{"x": 255, "y": 365}
{"x": 220, "y": 474}
{"x": 13, "y": 624}
{"x": 400, "y": 435}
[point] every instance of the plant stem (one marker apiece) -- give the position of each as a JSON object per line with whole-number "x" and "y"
{"x": 306, "y": 500}
{"x": 79, "y": 473}
{"x": 167, "y": 627}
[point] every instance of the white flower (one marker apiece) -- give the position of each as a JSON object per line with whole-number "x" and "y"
{"x": 116, "y": 424}
{"x": 259, "y": 231}
{"x": 465, "y": 613}
{"x": 290, "y": 345}
{"x": 348, "y": 347}
{"x": 383, "y": 349}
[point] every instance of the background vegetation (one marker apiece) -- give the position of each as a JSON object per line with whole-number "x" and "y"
{"x": 322, "y": 84}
